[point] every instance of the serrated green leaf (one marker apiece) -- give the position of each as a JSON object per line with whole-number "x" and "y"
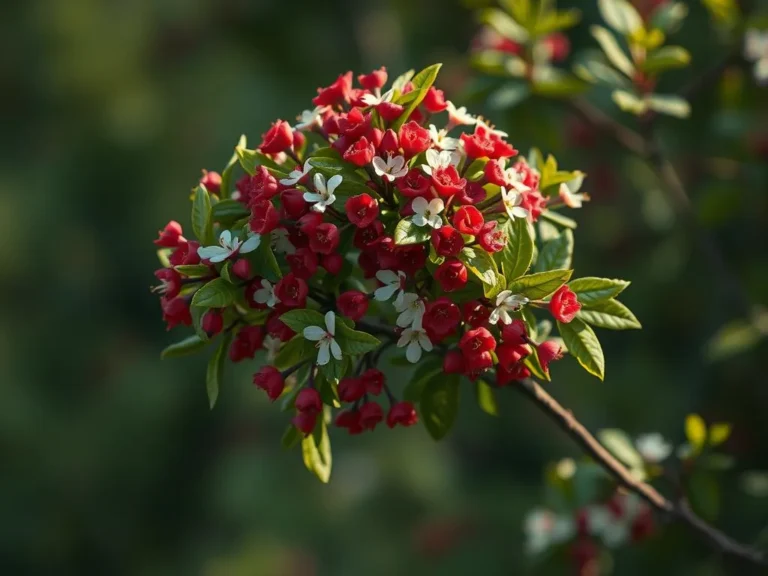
{"x": 317, "y": 455}
{"x": 610, "y": 314}
{"x": 486, "y": 398}
{"x": 582, "y": 344}
{"x": 355, "y": 342}
{"x": 202, "y": 225}
{"x": 227, "y": 212}
{"x": 421, "y": 83}
{"x": 540, "y": 285}
{"x": 215, "y": 369}
{"x": 557, "y": 253}
{"x": 218, "y": 293}
{"x": 620, "y": 15}
{"x": 252, "y": 159}
{"x": 592, "y": 290}
{"x": 296, "y": 350}
{"x": 481, "y": 264}
{"x": 406, "y": 232}
{"x": 517, "y": 255}
{"x": 189, "y": 345}
{"x": 263, "y": 260}
{"x": 297, "y": 320}
{"x": 440, "y": 405}
{"x": 226, "y": 273}
{"x": 612, "y": 50}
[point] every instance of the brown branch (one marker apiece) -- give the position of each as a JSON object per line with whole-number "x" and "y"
{"x": 681, "y": 512}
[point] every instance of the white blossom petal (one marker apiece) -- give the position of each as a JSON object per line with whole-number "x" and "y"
{"x": 253, "y": 242}
{"x": 333, "y": 183}
{"x": 335, "y": 349}
{"x": 413, "y": 352}
{"x": 424, "y": 341}
{"x": 384, "y": 293}
{"x": 323, "y": 353}
{"x": 387, "y": 277}
{"x": 330, "y": 322}
{"x": 314, "y": 333}
{"x": 213, "y": 253}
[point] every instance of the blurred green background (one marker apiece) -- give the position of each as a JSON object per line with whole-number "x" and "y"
{"x": 112, "y": 462}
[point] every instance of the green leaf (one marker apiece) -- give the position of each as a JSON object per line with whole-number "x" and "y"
{"x": 481, "y": 264}
{"x": 508, "y": 95}
{"x": 264, "y": 261}
{"x": 592, "y": 66}
{"x": 317, "y": 455}
{"x": 217, "y": 293}
{"x": 399, "y": 83}
{"x": 504, "y": 25}
{"x": 521, "y": 11}
{"x": 335, "y": 369}
{"x": 202, "y": 225}
{"x": 669, "y": 104}
{"x": 610, "y": 314}
{"x": 621, "y": 446}
{"x": 612, "y": 50}
{"x": 540, "y": 285}
{"x": 193, "y": 270}
{"x": 297, "y": 320}
{"x": 557, "y": 253}
{"x": 440, "y": 405}
{"x": 421, "y": 83}
{"x": 559, "y": 219}
{"x": 620, "y": 15}
{"x": 355, "y": 342}
{"x": 592, "y": 290}
{"x": 517, "y": 255}
{"x": 226, "y": 175}
{"x": 227, "y": 212}
{"x": 534, "y": 365}
{"x": 252, "y": 159}
{"x": 226, "y": 273}
{"x": 628, "y": 102}
{"x": 428, "y": 368}
{"x": 719, "y": 433}
{"x": 215, "y": 369}
{"x": 695, "y": 432}
{"x": 296, "y": 350}
{"x": 554, "y": 21}
{"x": 291, "y": 437}
{"x": 185, "y": 347}
{"x": 666, "y": 58}
{"x": 406, "y": 232}
{"x": 197, "y": 314}
{"x": 583, "y": 345}
{"x": 486, "y": 398}
{"x": 551, "y": 82}
{"x": 703, "y": 491}
{"x": 669, "y": 16}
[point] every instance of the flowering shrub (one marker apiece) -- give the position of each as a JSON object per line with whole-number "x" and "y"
{"x": 385, "y": 218}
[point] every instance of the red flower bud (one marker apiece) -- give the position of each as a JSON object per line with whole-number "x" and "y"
{"x": 264, "y": 217}
{"x": 475, "y": 313}
{"x": 477, "y": 341}
{"x": 293, "y": 203}
{"x": 515, "y": 333}
{"x": 494, "y": 173}
{"x": 361, "y": 210}
{"x": 642, "y": 525}
{"x": 485, "y": 144}
{"x": 447, "y": 181}
{"x": 515, "y": 373}
{"x": 373, "y": 380}
{"x": 534, "y": 202}
{"x": 473, "y": 193}
{"x": 390, "y": 111}
{"x": 305, "y": 422}
{"x": 353, "y": 304}
{"x": 349, "y": 419}
{"x": 211, "y": 181}
{"x": 309, "y": 222}
{"x": 242, "y": 269}
{"x": 292, "y": 291}
{"x": 308, "y": 400}
{"x": 351, "y": 389}
{"x": 414, "y": 184}
{"x": 213, "y": 322}
{"x": 332, "y": 263}
{"x": 451, "y": 274}
{"x": 360, "y": 153}
{"x": 170, "y": 236}
{"x": 402, "y": 413}
{"x": 247, "y": 340}
{"x": 368, "y": 263}
{"x": 324, "y": 239}
{"x": 269, "y": 379}
{"x": 303, "y": 263}
{"x": 186, "y": 253}
{"x": 478, "y": 363}
{"x": 441, "y": 319}
{"x": 509, "y": 354}
{"x": 261, "y": 186}
{"x": 369, "y": 236}
{"x": 389, "y": 144}
{"x": 176, "y": 311}
{"x": 277, "y": 329}
{"x": 387, "y": 255}
{"x": 335, "y": 93}
{"x": 434, "y": 101}
{"x": 490, "y": 238}
{"x": 453, "y": 363}
{"x": 414, "y": 139}
{"x": 559, "y": 46}
{"x": 412, "y": 258}
{"x": 447, "y": 241}
{"x": 353, "y": 125}
{"x": 564, "y": 305}
{"x": 370, "y": 415}
{"x": 374, "y": 80}
{"x": 277, "y": 138}
{"x": 549, "y": 351}
{"x": 468, "y": 220}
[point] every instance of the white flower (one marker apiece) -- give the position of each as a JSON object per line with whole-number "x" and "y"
{"x": 295, "y": 175}
{"x": 756, "y": 50}
{"x": 427, "y": 213}
{"x": 652, "y": 447}
{"x": 392, "y": 168}
{"x": 506, "y": 302}
{"x": 310, "y": 118}
{"x": 459, "y": 115}
{"x": 272, "y": 346}
{"x": 411, "y": 310}
{"x": 441, "y": 140}
{"x": 442, "y": 159}
{"x": 324, "y": 196}
{"x": 417, "y": 340}
{"x": 266, "y": 294}
{"x": 392, "y": 283}
{"x": 229, "y": 246}
{"x": 512, "y": 200}
{"x": 491, "y": 129}
{"x": 543, "y": 528}
{"x": 373, "y": 100}
{"x": 281, "y": 241}
{"x": 326, "y": 343}
{"x": 570, "y": 199}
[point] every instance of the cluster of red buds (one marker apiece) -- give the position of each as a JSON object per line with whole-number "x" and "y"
{"x": 382, "y": 219}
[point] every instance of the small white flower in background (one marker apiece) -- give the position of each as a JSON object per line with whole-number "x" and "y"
{"x": 490, "y": 128}
{"x": 272, "y": 346}
{"x": 568, "y": 192}
{"x": 441, "y": 139}
{"x": 266, "y": 294}
{"x": 392, "y": 283}
{"x": 652, "y": 447}
{"x": 281, "y": 242}
{"x": 506, "y": 302}
{"x": 411, "y": 310}
{"x": 512, "y": 200}
{"x": 373, "y": 100}
{"x": 228, "y": 246}
{"x": 310, "y": 118}
{"x": 427, "y": 213}
{"x": 459, "y": 115}
{"x": 756, "y": 50}
{"x": 324, "y": 196}
{"x": 442, "y": 159}
{"x": 416, "y": 340}
{"x": 326, "y": 343}
{"x": 392, "y": 168}
{"x": 295, "y": 175}
{"x": 543, "y": 528}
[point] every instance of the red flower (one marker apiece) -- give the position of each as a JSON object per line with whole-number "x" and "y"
{"x": 308, "y": 400}
{"x": 434, "y": 101}
{"x": 264, "y": 217}
{"x": 369, "y": 236}
{"x": 387, "y": 255}
{"x": 412, "y": 258}
{"x": 473, "y": 193}
{"x": 447, "y": 241}
{"x": 335, "y": 93}
{"x": 186, "y": 253}
{"x": 441, "y": 318}
{"x": 353, "y": 304}
{"x": 549, "y": 351}
{"x": 390, "y": 111}
{"x": 388, "y": 144}
{"x": 373, "y": 380}
{"x": 509, "y": 354}
{"x": 447, "y": 181}
{"x": 305, "y": 421}
{"x": 277, "y": 138}
{"x": 374, "y": 80}
{"x": 332, "y": 263}
{"x": 454, "y": 363}
{"x": 213, "y": 322}
{"x": 247, "y": 340}
{"x": 559, "y": 46}
{"x": 242, "y": 269}
{"x": 414, "y": 139}
{"x": 515, "y": 333}
{"x": 349, "y": 419}
{"x": 475, "y": 313}
{"x": 528, "y": 176}
{"x": 211, "y": 181}
{"x": 261, "y": 186}
{"x": 477, "y": 341}
{"x": 362, "y": 210}
{"x": 491, "y": 239}
{"x": 516, "y": 372}
{"x": 309, "y": 222}
{"x": 468, "y": 220}
{"x": 278, "y": 329}
{"x": 564, "y": 305}
{"x": 414, "y": 184}
{"x": 402, "y": 413}
{"x": 477, "y": 364}
{"x": 293, "y": 203}
{"x": 176, "y": 311}
{"x": 370, "y": 415}
{"x": 303, "y": 263}
{"x": 270, "y": 380}
{"x": 351, "y": 389}
{"x": 485, "y": 144}
{"x": 451, "y": 274}
{"x": 170, "y": 282}
{"x": 170, "y": 236}
{"x": 324, "y": 239}
{"x": 368, "y": 263}
{"x": 292, "y": 291}
{"x": 494, "y": 173}
{"x": 534, "y": 202}
{"x": 360, "y": 153}
{"x": 353, "y": 125}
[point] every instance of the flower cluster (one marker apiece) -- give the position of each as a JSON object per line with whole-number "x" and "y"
{"x": 384, "y": 218}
